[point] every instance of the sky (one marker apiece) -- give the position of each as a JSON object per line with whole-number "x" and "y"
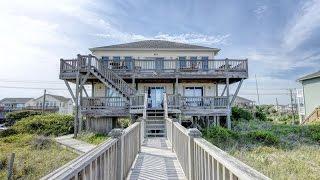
{"x": 281, "y": 39}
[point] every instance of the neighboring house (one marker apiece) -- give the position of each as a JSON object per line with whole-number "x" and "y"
{"x": 243, "y": 102}
{"x": 53, "y": 103}
{"x": 153, "y": 79}
{"x": 311, "y": 95}
{"x": 13, "y": 104}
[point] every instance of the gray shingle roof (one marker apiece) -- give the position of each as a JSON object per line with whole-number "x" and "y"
{"x": 154, "y": 44}
{"x": 15, "y": 100}
{"x": 310, "y": 76}
{"x": 60, "y": 98}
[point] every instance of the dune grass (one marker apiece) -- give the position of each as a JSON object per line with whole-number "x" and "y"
{"x": 280, "y": 151}
{"x": 92, "y": 138}
{"x": 35, "y": 155}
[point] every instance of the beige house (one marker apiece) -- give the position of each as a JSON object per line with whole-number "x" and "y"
{"x": 153, "y": 79}
{"x": 53, "y": 103}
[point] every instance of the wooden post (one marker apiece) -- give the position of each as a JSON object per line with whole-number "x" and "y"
{"x": 10, "y": 167}
{"x": 176, "y": 86}
{"x": 192, "y": 133}
{"x": 79, "y": 113}
{"x": 117, "y": 133}
{"x": 44, "y": 101}
{"x": 172, "y": 136}
{"x": 76, "y": 117}
{"x": 228, "y": 105}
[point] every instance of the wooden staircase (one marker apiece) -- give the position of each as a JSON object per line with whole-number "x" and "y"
{"x": 155, "y": 123}
{"x": 105, "y": 75}
{"x": 315, "y": 115}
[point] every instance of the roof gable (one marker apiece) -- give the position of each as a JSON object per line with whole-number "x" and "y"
{"x": 310, "y": 76}
{"x": 59, "y": 98}
{"x": 154, "y": 44}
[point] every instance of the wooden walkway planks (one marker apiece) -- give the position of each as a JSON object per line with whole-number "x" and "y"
{"x": 156, "y": 161}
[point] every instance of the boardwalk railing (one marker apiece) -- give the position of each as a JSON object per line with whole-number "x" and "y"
{"x": 202, "y": 160}
{"x": 110, "y": 160}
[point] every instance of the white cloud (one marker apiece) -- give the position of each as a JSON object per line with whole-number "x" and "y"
{"x": 194, "y": 38}
{"x": 260, "y": 10}
{"x": 303, "y": 25}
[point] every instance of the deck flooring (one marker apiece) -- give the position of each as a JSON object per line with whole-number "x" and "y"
{"x": 156, "y": 161}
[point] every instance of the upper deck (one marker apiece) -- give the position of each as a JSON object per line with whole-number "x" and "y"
{"x": 162, "y": 68}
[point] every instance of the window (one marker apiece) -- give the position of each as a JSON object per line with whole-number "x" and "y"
{"x": 193, "y": 96}
{"x": 193, "y": 91}
{"x": 128, "y": 62}
{"x": 193, "y": 62}
{"x": 205, "y": 62}
{"x": 116, "y": 58}
{"x": 182, "y": 61}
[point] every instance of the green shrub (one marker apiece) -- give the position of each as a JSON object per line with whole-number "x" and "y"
{"x": 124, "y": 122}
{"x": 7, "y": 132}
{"x": 48, "y": 124}
{"x": 240, "y": 113}
{"x": 219, "y": 134}
{"x": 13, "y": 117}
{"x": 265, "y": 137}
{"x": 260, "y": 114}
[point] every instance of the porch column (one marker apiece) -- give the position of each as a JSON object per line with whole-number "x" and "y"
{"x": 176, "y": 86}
{"x": 217, "y": 89}
{"x": 133, "y": 82}
{"x": 228, "y": 105}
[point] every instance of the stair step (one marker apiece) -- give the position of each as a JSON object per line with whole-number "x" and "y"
{"x": 153, "y": 126}
{"x": 156, "y": 134}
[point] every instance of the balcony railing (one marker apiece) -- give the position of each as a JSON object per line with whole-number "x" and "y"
{"x": 138, "y": 102}
{"x": 204, "y": 102}
{"x": 103, "y": 102}
{"x": 174, "y": 65}
{"x": 161, "y": 66}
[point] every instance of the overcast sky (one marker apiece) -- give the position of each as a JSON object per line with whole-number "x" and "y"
{"x": 281, "y": 39}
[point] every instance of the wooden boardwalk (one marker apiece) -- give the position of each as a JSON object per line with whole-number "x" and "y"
{"x": 156, "y": 161}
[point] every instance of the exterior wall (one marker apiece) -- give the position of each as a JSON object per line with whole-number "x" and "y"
{"x": 101, "y": 125}
{"x": 311, "y": 89}
{"x": 208, "y": 88}
{"x": 64, "y": 107}
{"x": 140, "y": 54}
{"x": 99, "y": 90}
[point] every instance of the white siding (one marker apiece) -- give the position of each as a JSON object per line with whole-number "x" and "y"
{"x": 155, "y": 53}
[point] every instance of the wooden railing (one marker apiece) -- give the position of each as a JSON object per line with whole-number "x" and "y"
{"x": 137, "y": 101}
{"x": 173, "y": 101}
{"x": 313, "y": 116}
{"x": 110, "y": 160}
{"x": 204, "y": 102}
{"x": 89, "y": 62}
{"x": 175, "y": 65}
{"x": 103, "y": 102}
{"x": 200, "y": 159}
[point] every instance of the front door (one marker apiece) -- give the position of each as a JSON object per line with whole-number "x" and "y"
{"x": 155, "y": 97}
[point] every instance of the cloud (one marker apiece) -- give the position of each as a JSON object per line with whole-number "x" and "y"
{"x": 194, "y": 38}
{"x": 303, "y": 25}
{"x": 260, "y": 10}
